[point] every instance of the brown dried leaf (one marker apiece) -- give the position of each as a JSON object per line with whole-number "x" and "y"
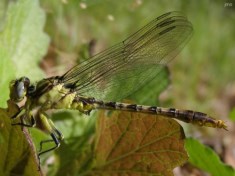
{"x": 138, "y": 144}
{"x": 18, "y": 156}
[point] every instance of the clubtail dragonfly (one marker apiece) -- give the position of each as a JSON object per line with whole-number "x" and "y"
{"x": 125, "y": 67}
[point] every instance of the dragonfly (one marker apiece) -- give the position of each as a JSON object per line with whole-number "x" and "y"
{"x": 108, "y": 77}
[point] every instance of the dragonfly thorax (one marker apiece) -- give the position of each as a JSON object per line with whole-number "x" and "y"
{"x": 19, "y": 88}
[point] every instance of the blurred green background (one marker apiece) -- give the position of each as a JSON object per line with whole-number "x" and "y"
{"x": 202, "y": 75}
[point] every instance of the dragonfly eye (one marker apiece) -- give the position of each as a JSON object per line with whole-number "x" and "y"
{"x": 19, "y": 88}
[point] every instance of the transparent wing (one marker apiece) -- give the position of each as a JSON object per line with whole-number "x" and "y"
{"x": 122, "y": 69}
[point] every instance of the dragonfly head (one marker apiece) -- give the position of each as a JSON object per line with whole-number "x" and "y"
{"x": 19, "y": 88}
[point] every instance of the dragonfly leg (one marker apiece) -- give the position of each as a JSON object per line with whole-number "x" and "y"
{"x": 48, "y": 126}
{"x": 54, "y": 139}
{"x": 31, "y": 122}
{"x": 17, "y": 114}
{"x": 57, "y": 144}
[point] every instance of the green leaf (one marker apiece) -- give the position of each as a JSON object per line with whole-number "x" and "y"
{"x": 22, "y": 43}
{"x": 206, "y": 159}
{"x": 17, "y": 150}
{"x": 137, "y": 144}
{"x": 76, "y": 151}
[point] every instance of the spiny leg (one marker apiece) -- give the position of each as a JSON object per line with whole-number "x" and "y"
{"x": 54, "y": 139}
{"x": 22, "y": 115}
{"x": 20, "y": 111}
{"x": 48, "y": 126}
{"x": 57, "y": 144}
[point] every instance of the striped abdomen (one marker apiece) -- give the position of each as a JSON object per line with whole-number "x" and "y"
{"x": 187, "y": 116}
